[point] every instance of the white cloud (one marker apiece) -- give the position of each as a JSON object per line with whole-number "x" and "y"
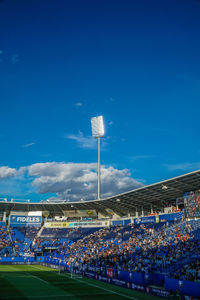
{"x": 137, "y": 157}
{"x": 74, "y": 181}
{"x": 83, "y": 141}
{"x": 28, "y": 145}
{"x": 6, "y": 172}
{"x": 79, "y": 104}
{"x": 70, "y": 181}
{"x": 111, "y": 123}
{"x": 183, "y": 166}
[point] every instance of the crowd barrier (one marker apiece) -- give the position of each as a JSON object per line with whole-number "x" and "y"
{"x": 171, "y": 217}
{"x": 121, "y": 222}
{"x": 17, "y": 260}
{"x": 150, "y": 219}
{"x": 185, "y": 287}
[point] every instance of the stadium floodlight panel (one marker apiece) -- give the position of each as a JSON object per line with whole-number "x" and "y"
{"x": 97, "y": 126}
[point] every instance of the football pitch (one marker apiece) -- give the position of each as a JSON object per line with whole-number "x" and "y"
{"x": 40, "y": 283}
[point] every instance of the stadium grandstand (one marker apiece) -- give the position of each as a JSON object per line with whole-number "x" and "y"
{"x": 142, "y": 244}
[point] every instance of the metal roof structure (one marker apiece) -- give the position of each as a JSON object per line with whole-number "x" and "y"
{"x": 143, "y": 198}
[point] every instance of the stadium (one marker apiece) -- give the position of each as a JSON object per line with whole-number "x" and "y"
{"x": 142, "y": 244}
{"x": 99, "y": 149}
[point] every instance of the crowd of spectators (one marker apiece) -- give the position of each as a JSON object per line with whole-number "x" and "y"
{"x": 189, "y": 272}
{"x": 192, "y": 204}
{"x": 133, "y": 248}
{"x": 5, "y": 241}
{"x": 12, "y": 245}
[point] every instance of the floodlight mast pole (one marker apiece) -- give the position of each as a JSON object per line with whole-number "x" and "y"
{"x": 99, "y": 169}
{"x": 98, "y": 132}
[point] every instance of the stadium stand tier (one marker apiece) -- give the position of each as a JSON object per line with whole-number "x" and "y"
{"x": 155, "y": 251}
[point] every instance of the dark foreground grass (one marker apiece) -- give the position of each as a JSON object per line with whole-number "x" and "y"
{"x": 35, "y": 282}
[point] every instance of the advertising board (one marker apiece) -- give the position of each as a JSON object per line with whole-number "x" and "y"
{"x": 143, "y": 220}
{"x": 76, "y": 224}
{"x": 16, "y": 220}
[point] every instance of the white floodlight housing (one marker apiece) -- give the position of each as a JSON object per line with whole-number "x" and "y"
{"x": 97, "y": 127}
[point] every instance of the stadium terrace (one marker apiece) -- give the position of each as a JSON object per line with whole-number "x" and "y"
{"x": 145, "y": 240}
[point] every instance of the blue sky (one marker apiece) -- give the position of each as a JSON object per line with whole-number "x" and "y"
{"x": 62, "y": 62}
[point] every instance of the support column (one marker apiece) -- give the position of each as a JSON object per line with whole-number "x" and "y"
{"x": 136, "y": 213}
{"x": 142, "y": 212}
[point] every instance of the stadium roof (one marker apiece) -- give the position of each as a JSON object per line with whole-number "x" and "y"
{"x": 154, "y": 195}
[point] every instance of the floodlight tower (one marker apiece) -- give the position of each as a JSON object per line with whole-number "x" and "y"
{"x": 98, "y": 132}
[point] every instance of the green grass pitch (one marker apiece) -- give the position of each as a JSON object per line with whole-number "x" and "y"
{"x": 36, "y": 282}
